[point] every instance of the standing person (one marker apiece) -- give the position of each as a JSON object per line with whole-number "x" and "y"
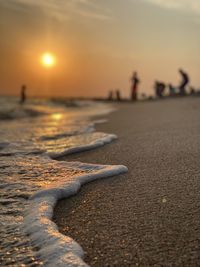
{"x": 118, "y": 95}
{"x": 134, "y": 88}
{"x": 110, "y": 95}
{"x": 185, "y": 80}
{"x": 23, "y": 94}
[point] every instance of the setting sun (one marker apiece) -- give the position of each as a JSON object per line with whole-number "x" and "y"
{"x": 48, "y": 60}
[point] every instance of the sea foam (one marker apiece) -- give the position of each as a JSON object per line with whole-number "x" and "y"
{"x": 32, "y": 181}
{"x": 92, "y": 141}
{"x": 56, "y": 249}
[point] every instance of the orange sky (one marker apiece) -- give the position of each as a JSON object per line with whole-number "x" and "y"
{"x": 97, "y": 44}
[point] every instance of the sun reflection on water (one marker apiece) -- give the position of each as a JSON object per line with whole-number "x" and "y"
{"x": 57, "y": 116}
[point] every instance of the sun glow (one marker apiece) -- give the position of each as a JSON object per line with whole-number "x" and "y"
{"x": 48, "y": 60}
{"x": 57, "y": 116}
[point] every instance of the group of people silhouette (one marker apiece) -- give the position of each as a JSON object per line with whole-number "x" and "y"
{"x": 181, "y": 89}
{"x": 116, "y": 95}
{"x": 159, "y": 87}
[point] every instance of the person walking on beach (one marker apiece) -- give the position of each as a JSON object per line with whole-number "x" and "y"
{"x": 184, "y": 81}
{"x": 23, "y": 94}
{"x": 134, "y": 88}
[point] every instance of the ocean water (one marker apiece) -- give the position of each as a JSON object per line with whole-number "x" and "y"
{"x": 32, "y": 137}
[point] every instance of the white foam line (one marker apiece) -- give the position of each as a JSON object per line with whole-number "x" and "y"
{"x": 56, "y": 249}
{"x": 98, "y": 143}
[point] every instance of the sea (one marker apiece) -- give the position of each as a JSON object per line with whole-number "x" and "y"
{"x": 33, "y": 136}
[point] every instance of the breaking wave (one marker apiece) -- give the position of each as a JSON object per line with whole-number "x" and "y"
{"x": 31, "y": 181}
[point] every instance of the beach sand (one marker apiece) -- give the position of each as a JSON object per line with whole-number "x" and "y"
{"x": 149, "y": 216}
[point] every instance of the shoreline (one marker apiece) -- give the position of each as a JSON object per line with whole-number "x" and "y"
{"x": 145, "y": 216}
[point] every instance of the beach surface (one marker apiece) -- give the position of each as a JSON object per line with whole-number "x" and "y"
{"x": 149, "y": 216}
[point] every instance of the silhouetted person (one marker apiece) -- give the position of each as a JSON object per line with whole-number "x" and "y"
{"x": 23, "y": 94}
{"x": 159, "y": 88}
{"x": 118, "y": 95}
{"x": 134, "y": 88}
{"x": 185, "y": 80}
{"x": 172, "y": 90}
{"x": 110, "y": 95}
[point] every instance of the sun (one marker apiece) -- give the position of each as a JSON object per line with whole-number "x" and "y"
{"x": 48, "y": 60}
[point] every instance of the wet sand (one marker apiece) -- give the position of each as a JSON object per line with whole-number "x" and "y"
{"x": 151, "y": 215}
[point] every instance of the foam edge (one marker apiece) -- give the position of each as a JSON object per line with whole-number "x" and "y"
{"x": 82, "y": 148}
{"x": 54, "y": 248}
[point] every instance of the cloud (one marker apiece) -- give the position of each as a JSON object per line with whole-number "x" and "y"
{"x": 182, "y": 5}
{"x": 62, "y": 9}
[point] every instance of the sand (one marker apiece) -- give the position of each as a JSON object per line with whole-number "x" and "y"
{"x": 151, "y": 215}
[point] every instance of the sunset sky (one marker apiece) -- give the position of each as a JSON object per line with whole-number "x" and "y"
{"x": 97, "y": 45}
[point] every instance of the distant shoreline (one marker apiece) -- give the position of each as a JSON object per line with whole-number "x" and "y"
{"x": 123, "y": 99}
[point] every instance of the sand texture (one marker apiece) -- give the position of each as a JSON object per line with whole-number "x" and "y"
{"x": 151, "y": 215}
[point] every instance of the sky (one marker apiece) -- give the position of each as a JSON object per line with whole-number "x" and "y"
{"x": 98, "y": 44}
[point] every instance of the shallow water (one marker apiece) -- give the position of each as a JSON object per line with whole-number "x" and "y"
{"x": 28, "y": 142}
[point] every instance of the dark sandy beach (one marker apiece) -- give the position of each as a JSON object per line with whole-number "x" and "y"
{"x": 151, "y": 215}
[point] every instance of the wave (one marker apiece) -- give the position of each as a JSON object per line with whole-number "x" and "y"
{"x": 19, "y": 113}
{"x": 56, "y": 249}
{"x": 81, "y": 130}
{"x": 92, "y": 141}
{"x": 4, "y": 144}
{"x": 28, "y": 171}
{"x": 73, "y": 103}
